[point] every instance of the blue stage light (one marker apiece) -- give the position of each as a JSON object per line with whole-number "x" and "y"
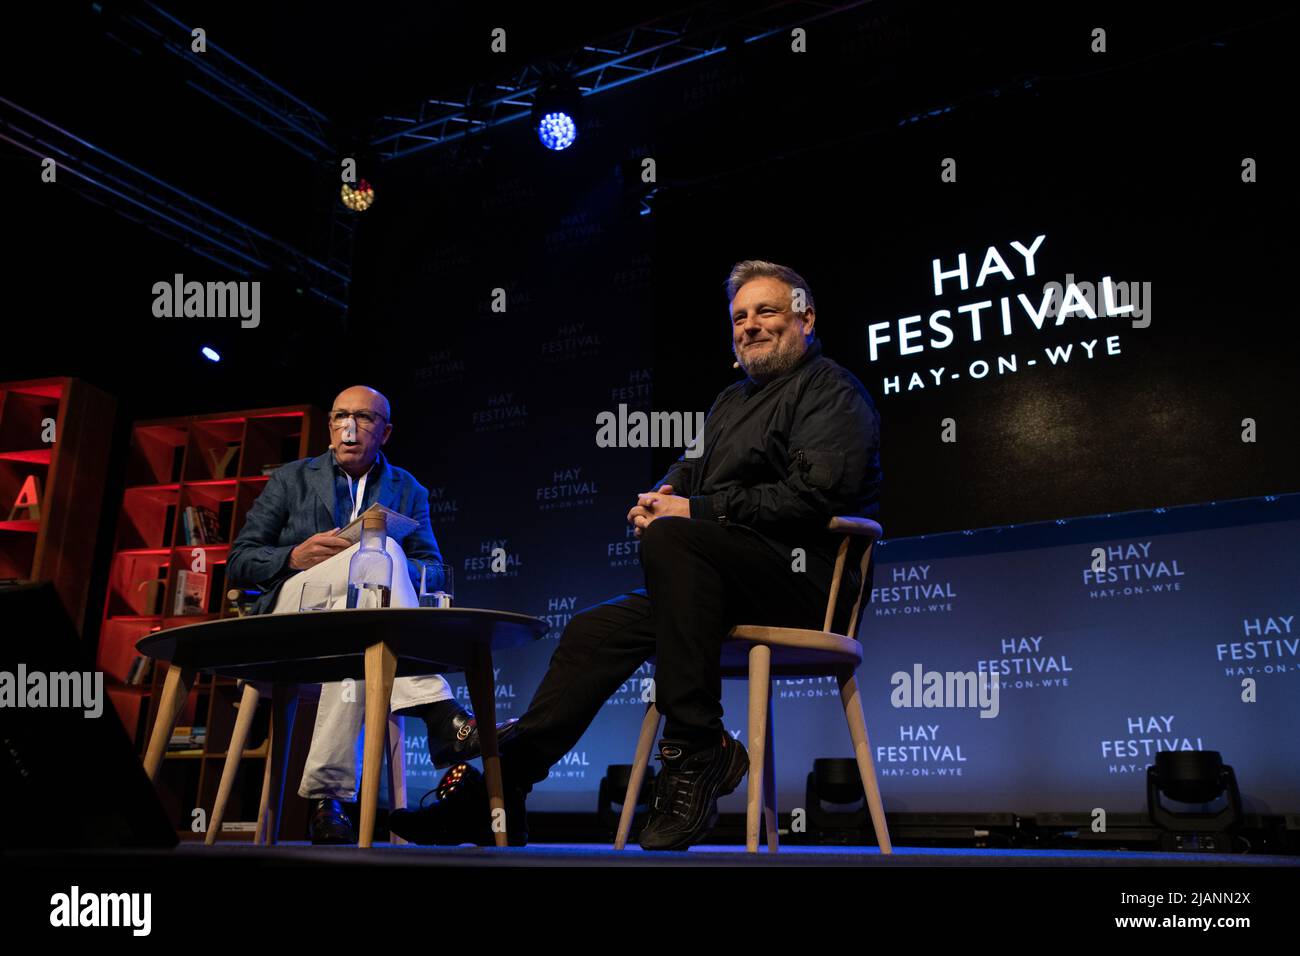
{"x": 557, "y": 130}
{"x": 210, "y": 354}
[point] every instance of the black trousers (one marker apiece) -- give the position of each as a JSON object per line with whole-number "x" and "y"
{"x": 702, "y": 578}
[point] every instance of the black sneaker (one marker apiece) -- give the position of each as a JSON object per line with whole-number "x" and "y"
{"x": 460, "y": 813}
{"x": 685, "y": 806}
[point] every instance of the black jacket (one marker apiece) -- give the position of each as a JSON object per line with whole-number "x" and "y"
{"x": 784, "y": 457}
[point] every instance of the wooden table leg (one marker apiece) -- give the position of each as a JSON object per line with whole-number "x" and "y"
{"x": 234, "y": 753}
{"x": 284, "y": 706}
{"x": 482, "y": 694}
{"x": 176, "y": 687}
{"x": 381, "y": 668}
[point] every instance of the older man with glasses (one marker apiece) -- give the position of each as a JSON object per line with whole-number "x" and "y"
{"x": 290, "y": 539}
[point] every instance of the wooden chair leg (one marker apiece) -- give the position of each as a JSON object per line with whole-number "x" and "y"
{"x": 396, "y": 769}
{"x": 482, "y": 695}
{"x": 176, "y": 687}
{"x": 264, "y": 801}
{"x": 769, "y": 782}
{"x": 284, "y": 706}
{"x": 640, "y": 760}
{"x": 862, "y": 751}
{"x": 234, "y": 753}
{"x": 381, "y": 668}
{"x": 760, "y": 680}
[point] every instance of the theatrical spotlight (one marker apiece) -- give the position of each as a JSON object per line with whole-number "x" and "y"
{"x": 1198, "y": 779}
{"x": 557, "y": 113}
{"x": 358, "y": 198}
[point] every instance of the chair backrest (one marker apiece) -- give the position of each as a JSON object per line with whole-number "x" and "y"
{"x": 850, "y": 528}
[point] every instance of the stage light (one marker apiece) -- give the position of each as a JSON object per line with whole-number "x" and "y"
{"x": 358, "y": 198}
{"x": 1194, "y": 778}
{"x": 557, "y": 130}
{"x": 557, "y": 112}
{"x": 211, "y": 354}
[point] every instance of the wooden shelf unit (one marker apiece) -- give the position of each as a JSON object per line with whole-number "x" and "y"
{"x": 174, "y": 463}
{"x": 59, "y": 546}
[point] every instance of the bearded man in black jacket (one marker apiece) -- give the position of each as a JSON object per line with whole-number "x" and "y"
{"x": 793, "y": 444}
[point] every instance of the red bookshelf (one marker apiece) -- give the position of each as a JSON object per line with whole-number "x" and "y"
{"x": 59, "y": 545}
{"x": 214, "y": 463}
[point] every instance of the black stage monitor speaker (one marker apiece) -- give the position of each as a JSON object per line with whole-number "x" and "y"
{"x": 67, "y": 779}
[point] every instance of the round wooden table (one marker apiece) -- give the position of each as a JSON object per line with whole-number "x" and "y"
{"x": 285, "y": 650}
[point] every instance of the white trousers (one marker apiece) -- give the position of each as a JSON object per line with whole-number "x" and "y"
{"x": 331, "y": 769}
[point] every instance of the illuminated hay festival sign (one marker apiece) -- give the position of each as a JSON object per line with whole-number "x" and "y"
{"x": 991, "y": 320}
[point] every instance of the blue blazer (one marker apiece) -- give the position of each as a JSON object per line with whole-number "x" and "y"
{"x": 298, "y": 502}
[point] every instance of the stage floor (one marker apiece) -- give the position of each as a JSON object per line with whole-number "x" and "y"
{"x": 573, "y": 854}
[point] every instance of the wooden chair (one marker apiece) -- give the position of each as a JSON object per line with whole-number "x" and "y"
{"x": 757, "y": 652}
{"x": 277, "y": 759}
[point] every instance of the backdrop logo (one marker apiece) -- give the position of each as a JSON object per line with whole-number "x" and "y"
{"x": 575, "y": 232}
{"x": 440, "y": 368}
{"x": 1155, "y": 733}
{"x": 494, "y": 560}
{"x": 637, "y": 392}
{"x": 1132, "y": 569}
{"x": 1029, "y": 667}
{"x": 505, "y": 693}
{"x": 913, "y": 591}
{"x": 572, "y": 766}
{"x": 559, "y": 612}
{"x": 636, "y": 690}
{"x": 571, "y": 341}
{"x": 975, "y": 321}
{"x": 625, "y": 553}
{"x": 567, "y": 489}
{"x": 503, "y": 411}
{"x": 806, "y": 688}
{"x": 920, "y": 753}
{"x": 442, "y": 509}
{"x": 1268, "y": 648}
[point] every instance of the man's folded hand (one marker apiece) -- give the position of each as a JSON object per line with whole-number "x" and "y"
{"x": 316, "y": 549}
{"x": 656, "y": 504}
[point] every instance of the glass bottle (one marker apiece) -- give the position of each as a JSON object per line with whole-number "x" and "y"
{"x": 370, "y": 572}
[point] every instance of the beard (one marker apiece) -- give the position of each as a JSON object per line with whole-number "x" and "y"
{"x": 772, "y": 362}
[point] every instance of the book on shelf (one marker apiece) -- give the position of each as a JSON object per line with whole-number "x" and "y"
{"x": 191, "y": 593}
{"x": 187, "y": 738}
{"x": 201, "y": 526}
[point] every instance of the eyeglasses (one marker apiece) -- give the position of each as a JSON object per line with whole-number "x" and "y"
{"x": 364, "y": 418}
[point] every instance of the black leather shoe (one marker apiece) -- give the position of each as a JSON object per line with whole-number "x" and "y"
{"x": 330, "y": 825}
{"x": 466, "y": 745}
{"x": 685, "y": 806}
{"x": 460, "y": 813}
